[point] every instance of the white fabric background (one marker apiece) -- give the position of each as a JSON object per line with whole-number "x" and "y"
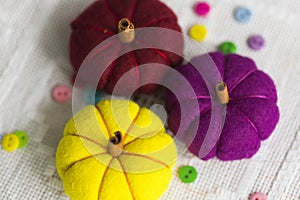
{"x": 34, "y": 38}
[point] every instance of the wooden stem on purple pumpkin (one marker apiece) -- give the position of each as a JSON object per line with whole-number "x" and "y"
{"x": 222, "y": 93}
{"x": 116, "y": 145}
{"x": 126, "y": 30}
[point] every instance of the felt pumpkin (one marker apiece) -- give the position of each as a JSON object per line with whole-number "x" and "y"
{"x": 115, "y": 150}
{"x": 105, "y": 18}
{"x": 251, "y": 110}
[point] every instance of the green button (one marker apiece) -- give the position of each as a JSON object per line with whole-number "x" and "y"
{"x": 228, "y": 47}
{"x": 187, "y": 174}
{"x": 23, "y": 138}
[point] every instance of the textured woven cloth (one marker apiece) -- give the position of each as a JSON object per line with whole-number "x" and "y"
{"x": 34, "y": 38}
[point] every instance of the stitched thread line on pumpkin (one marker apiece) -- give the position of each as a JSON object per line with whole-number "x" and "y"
{"x": 127, "y": 179}
{"x": 148, "y": 158}
{"x": 140, "y": 137}
{"x": 94, "y": 28}
{"x": 162, "y": 54}
{"x": 104, "y": 121}
{"x": 241, "y": 80}
{"x": 250, "y": 96}
{"x": 134, "y": 10}
{"x": 138, "y": 76}
{"x": 88, "y": 139}
{"x": 247, "y": 118}
{"x": 83, "y": 159}
{"x": 103, "y": 177}
{"x": 163, "y": 19}
{"x": 93, "y": 54}
{"x": 110, "y": 10}
{"x": 132, "y": 124}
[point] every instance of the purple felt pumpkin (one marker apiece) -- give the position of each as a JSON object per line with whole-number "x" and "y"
{"x": 251, "y": 112}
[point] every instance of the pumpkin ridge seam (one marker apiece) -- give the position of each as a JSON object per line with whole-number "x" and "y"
{"x": 134, "y": 10}
{"x": 241, "y": 80}
{"x": 163, "y": 19}
{"x": 126, "y": 177}
{"x": 148, "y": 158}
{"x": 247, "y": 118}
{"x": 94, "y": 28}
{"x": 105, "y": 123}
{"x": 132, "y": 123}
{"x": 83, "y": 159}
{"x": 110, "y": 10}
{"x": 88, "y": 139}
{"x": 103, "y": 177}
{"x": 138, "y": 75}
{"x": 139, "y": 137}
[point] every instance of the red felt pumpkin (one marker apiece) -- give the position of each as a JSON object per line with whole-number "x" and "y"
{"x": 103, "y": 19}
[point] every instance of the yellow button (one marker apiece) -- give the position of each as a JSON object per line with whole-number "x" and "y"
{"x": 10, "y": 142}
{"x": 198, "y": 32}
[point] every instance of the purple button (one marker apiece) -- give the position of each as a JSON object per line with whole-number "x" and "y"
{"x": 256, "y": 42}
{"x": 202, "y": 9}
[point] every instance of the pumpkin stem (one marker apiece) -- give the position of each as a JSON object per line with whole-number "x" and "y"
{"x": 115, "y": 145}
{"x": 126, "y": 30}
{"x": 222, "y": 93}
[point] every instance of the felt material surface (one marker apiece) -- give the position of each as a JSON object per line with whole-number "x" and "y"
{"x": 89, "y": 171}
{"x": 252, "y": 113}
{"x": 99, "y": 22}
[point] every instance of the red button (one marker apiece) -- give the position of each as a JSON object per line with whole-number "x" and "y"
{"x": 258, "y": 196}
{"x": 62, "y": 94}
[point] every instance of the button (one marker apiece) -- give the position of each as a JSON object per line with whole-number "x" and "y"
{"x": 202, "y": 9}
{"x": 23, "y": 138}
{"x": 187, "y": 174}
{"x": 242, "y": 14}
{"x": 228, "y": 47}
{"x": 198, "y": 32}
{"x": 256, "y": 42}
{"x": 10, "y": 142}
{"x": 88, "y": 96}
{"x": 258, "y": 196}
{"x": 62, "y": 94}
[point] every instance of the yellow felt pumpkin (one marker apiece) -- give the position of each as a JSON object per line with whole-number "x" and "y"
{"x": 115, "y": 151}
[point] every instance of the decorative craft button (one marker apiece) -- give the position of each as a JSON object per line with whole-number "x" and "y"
{"x": 202, "y": 8}
{"x": 198, "y": 32}
{"x": 256, "y": 42}
{"x": 10, "y": 142}
{"x": 242, "y": 14}
{"x": 258, "y": 196}
{"x": 62, "y": 94}
{"x": 187, "y": 174}
{"x": 90, "y": 99}
{"x": 228, "y": 47}
{"x": 23, "y": 138}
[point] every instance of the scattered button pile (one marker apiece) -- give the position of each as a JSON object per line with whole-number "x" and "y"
{"x": 13, "y": 141}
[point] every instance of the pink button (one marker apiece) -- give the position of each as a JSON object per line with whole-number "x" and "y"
{"x": 62, "y": 94}
{"x": 258, "y": 196}
{"x": 202, "y": 8}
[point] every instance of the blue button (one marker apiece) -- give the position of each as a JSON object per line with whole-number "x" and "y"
{"x": 242, "y": 14}
{"x": 89, "y": 97}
